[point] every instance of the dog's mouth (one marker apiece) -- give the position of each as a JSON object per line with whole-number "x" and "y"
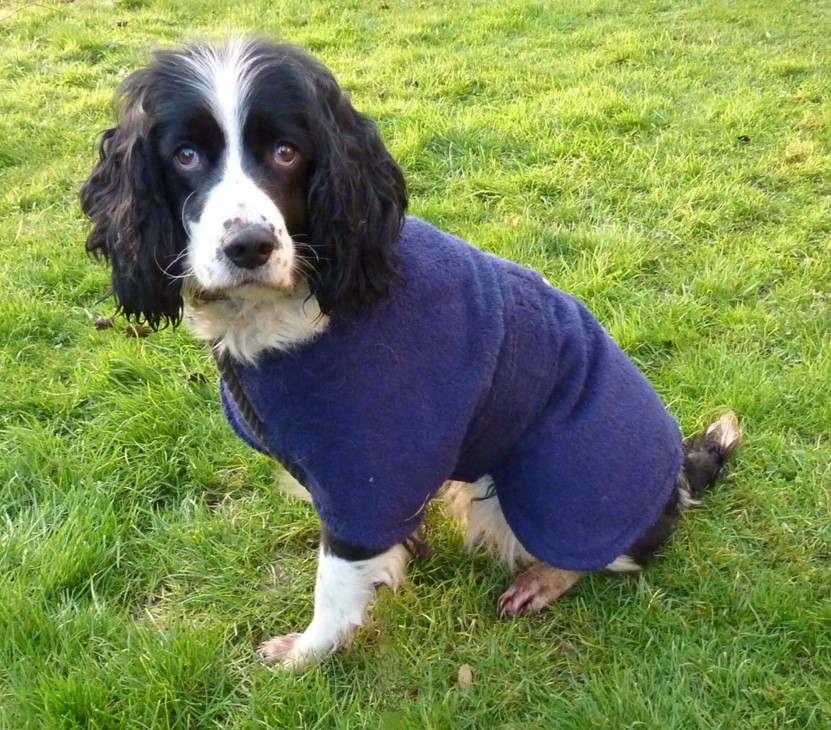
{"x": 195, "y": 293}
{"x": 250, "y": 291}
{"x": 203, "y": 296}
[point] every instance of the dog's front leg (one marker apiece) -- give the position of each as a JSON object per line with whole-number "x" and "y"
{"x": 347, "y": 576}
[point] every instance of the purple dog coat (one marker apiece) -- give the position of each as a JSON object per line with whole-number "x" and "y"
{"x": 473, "y": 365}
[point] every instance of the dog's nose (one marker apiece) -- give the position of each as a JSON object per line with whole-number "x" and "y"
{"x": 250, "y": 248}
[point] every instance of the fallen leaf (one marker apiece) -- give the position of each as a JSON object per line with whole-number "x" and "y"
{"x": 137, "y": 330}
{"x": 465, "y": 676}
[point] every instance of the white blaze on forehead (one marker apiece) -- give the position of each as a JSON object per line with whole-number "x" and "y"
{"x": 224, "y": 78}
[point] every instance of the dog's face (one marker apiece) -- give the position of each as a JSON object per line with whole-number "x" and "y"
{"x": 241, "y": 167}
{"x": 236, "y": 155}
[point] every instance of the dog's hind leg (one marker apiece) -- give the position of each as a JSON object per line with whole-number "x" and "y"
{"x": 477, "y": 507}
{"x": 346, "y": 580}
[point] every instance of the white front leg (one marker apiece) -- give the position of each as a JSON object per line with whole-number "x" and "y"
{"x": 343, "y": 591}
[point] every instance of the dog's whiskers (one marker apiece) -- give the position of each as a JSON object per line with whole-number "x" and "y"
{"x": 168, "y": 270}
{"x": 182, "y": 214}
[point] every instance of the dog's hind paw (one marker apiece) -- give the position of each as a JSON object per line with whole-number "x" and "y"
{"x": 534, "y": 588}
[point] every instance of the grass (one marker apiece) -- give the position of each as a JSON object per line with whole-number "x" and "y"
{"x": 668, "y": 162}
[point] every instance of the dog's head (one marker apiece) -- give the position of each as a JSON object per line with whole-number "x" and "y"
{"x": 238, "y": 167}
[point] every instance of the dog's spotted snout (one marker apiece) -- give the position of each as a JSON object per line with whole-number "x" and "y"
{"x": 249, "y": 247}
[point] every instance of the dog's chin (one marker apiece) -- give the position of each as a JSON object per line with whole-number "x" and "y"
{"x": 248, "y": 319}
{"x": 199, "y": 294}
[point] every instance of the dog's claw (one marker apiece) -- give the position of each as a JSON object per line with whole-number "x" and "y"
{"x": 534, "y": 589}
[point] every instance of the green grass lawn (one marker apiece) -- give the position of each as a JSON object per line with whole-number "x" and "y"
{"x": 669, "y": 162}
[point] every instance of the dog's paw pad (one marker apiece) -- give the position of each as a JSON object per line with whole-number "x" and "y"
{"x": 534, "y": 589}
{"x": 280, "y": 650}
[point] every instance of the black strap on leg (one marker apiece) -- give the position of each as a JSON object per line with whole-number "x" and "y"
{"x": 226, "y": 370}
{"x": 416, "y": 545}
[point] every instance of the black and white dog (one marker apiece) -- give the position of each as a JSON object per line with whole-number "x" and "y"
{"x": 373, "y": 355}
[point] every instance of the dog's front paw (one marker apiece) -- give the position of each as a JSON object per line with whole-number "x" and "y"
{"x": 294, "y": 651}
{"x": 282, "y": 651}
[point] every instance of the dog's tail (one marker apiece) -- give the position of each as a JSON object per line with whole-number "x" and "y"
{"x": 705, "y": 455}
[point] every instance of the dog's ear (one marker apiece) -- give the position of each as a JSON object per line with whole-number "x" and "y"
{"x": 356, "y": 201}
{"x": 132, "y": 224}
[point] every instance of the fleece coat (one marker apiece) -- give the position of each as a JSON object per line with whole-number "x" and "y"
{"x": 472, "y": 366}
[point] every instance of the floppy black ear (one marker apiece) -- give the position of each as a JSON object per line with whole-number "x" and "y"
{"x": 132, "y": 224}
{"x": 356, "y": 201}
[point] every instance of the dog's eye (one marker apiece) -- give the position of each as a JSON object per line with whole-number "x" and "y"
{"x": 187, "y": 158}
{"x": 284, "y": 154}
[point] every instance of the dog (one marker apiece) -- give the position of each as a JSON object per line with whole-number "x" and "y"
{"x": 376, "y": 357}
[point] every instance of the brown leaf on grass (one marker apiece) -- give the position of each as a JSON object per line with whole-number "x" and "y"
{"x": 465, "y": 677}
{"x": 137, "y": 330}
